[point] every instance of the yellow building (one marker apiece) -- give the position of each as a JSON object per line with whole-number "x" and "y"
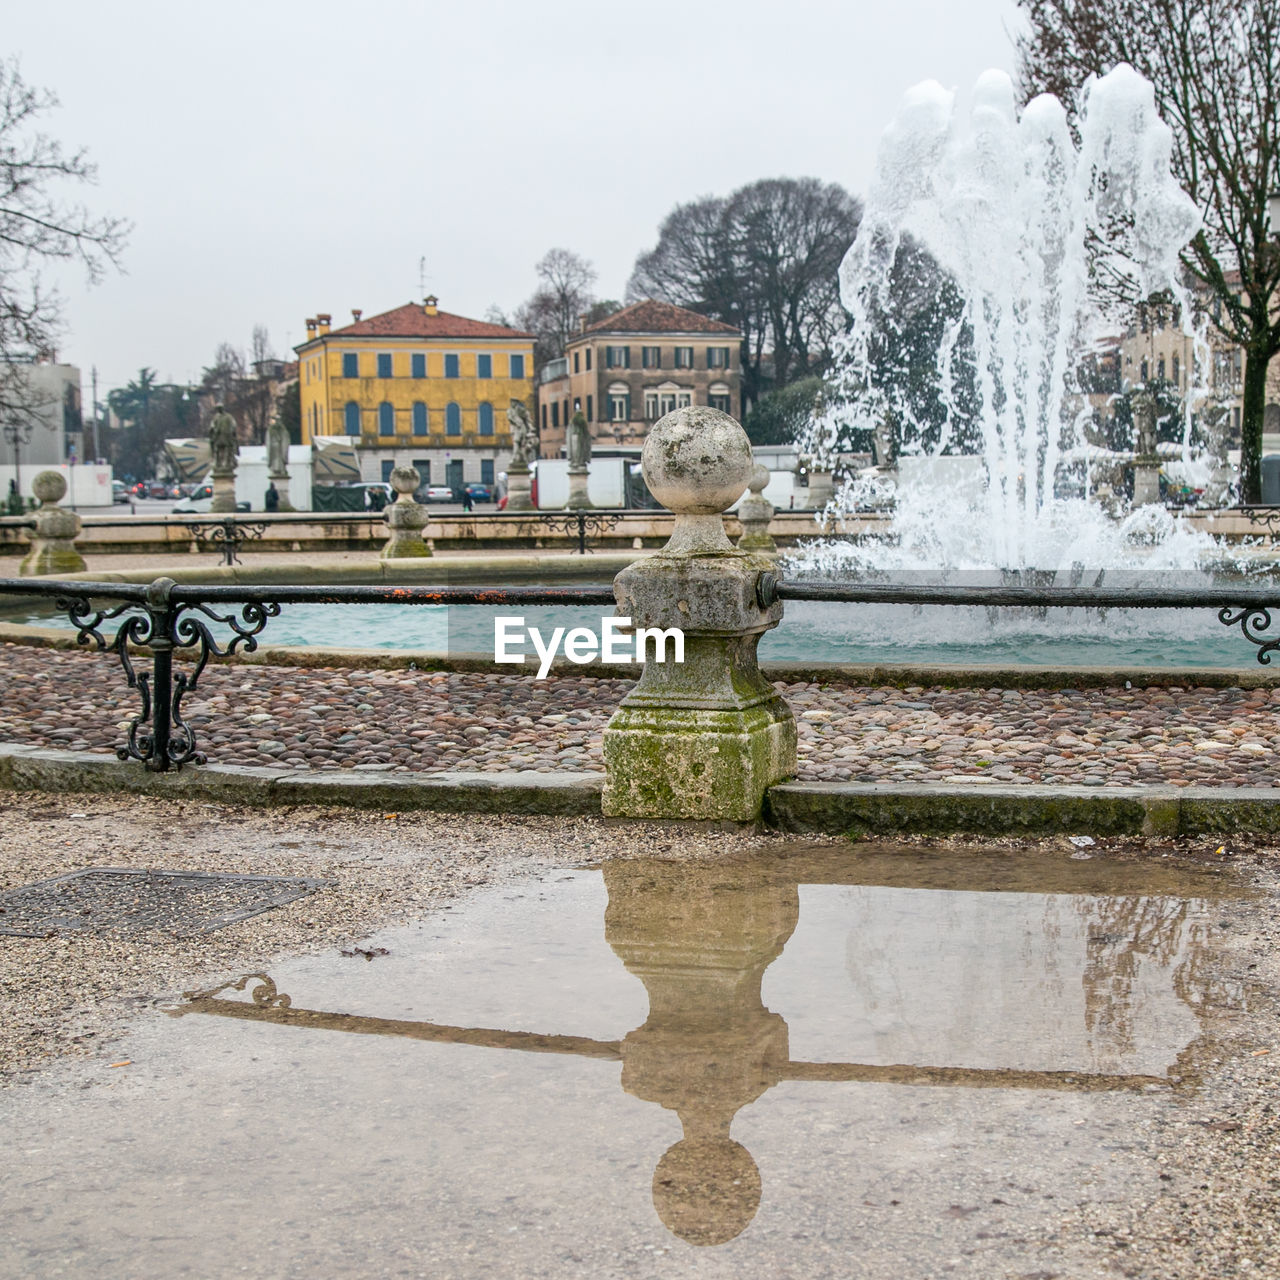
{"x": 419, "y": 387}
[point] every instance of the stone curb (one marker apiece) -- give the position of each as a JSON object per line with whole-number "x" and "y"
{"x": 857, "y": 809}
{"x": 555, "y": 795}
{"x": 817, "y": 808}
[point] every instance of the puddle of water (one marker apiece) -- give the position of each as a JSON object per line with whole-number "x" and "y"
{"x": 753, "y": 1068}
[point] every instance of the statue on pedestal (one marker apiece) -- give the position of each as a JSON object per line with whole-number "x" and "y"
{"x": 224, "y": 441}
{"x": 579, "y": 442}
{"x": 524, "y": 436}
{"x": 278, "y": 462}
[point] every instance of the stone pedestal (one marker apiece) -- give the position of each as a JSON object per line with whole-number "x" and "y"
{"x": 1146, "y": 481}
{"x": 821, "y": 489}
{"x": 754, "y": 514}
{"x": 53, "y": 548}
{"x": 701, "y": 739}
{"x": 405, "y": 518}
{"x": 519, "y": 488}
{"x": 578, "y": 500}
{"x": 281, "y": 482}
{"x": 224, "y": 491}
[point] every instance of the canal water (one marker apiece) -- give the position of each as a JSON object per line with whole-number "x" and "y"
{"x": 847, "y": 1062}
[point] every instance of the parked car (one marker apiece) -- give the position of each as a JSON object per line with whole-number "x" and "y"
{"x": 437, "y": 493}
{"x": 119, "y": 491}
{"x": 479, "y": 492}
{"x": 158, "y": 489}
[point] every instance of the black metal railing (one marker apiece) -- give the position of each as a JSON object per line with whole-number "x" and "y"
{"x": 164, "y": 619}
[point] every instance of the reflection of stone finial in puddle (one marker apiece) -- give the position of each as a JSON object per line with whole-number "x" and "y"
{"x": 405, "y": 517}
{"x": 706, "y": 737}
{"x": 700, "y": 939}
{"x": 53, "y": 548}
{"x": 755, "y": 512}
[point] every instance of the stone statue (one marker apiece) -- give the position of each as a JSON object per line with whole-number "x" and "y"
{"x": 883, "y": 444}
{"x": 524, "y": 438}
{"x": 1144, "y": 424}
{"x": 277, "y": 449}
{"x": 579, "y": 442}
{"x": 224, "y": 441}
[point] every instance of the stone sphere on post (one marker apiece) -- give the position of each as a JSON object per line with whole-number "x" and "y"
{"x": 50, "y": 487}
{"x": 53, "y": 548}
{"x": 406, "y": 482}
{"x": 697, "y": 462}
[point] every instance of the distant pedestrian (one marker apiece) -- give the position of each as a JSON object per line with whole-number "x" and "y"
{"x": 15, "y": 501}
{"x": 466, "y": 499}
{"x": 272, "y": 499}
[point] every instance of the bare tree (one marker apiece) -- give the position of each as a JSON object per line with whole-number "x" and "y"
{"x": 1215, "y": 65}
{"x": 37, "y": 226}
{"x": 765, "y": 260}
{"x": 563, "y": 294}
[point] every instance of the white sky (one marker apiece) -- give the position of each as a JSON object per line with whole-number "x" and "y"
{"x": 279, "y": 158}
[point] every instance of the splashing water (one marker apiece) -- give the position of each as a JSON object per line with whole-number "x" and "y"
{"x": 1024, "y": 224}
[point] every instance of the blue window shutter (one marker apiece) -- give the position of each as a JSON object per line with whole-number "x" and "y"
{"x": 453, "y": 420}
{"x": 484, "y": 366}
{"x": 384, "y": 365}
{"x": 386, "y": 419}
{"x": 352, "y": 416}
{"x": 419, "y": 365}
{"x": 451, "y": 366}
{"x": 486, "y": 470}
{"x": 486, "y": 418}
{"x": 517, "y": 366}
{"x": 350, "y": 364}
{"x": 419, "y": 418}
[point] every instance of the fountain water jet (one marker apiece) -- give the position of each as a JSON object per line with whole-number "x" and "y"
{"x": 1025, "y": 223}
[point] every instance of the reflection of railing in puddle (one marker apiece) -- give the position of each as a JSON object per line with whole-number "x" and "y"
{"x": 700, "y": 939}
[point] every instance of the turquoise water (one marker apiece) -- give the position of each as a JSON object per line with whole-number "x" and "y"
{"x": 813, "y": 633}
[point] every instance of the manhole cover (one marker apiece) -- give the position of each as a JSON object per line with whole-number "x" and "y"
{"x": 179, "y": 902}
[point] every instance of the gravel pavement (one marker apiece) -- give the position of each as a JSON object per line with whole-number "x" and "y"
{"x": 410, "y": 721}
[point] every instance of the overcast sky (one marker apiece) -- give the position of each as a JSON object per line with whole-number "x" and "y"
{"x": 279, "y": 159}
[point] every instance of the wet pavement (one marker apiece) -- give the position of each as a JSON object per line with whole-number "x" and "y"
{"x": 412, "y": 721}
{"x": 868, "y": 1061}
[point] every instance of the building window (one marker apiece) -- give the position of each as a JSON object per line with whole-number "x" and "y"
{"x": 388, "y": 466}
{"x": 451, "y": 366}
{"x": 659, "y": 403}
{"x": 386, "y": 419}
{"x": 350, "y": 364}
{"x": 351, "y": 418}
{"x": 1176, "y": 371}
{"x": 555, "y": 413}
{"x": 684, "y": 357}
{"x": 418, "y": 364}
{"x": 486, "y": 418}
{"x": 486, "y": 470}
{"x": 590, "y": 414}
{"x": 419, "y": 418}
{"x": 651, "y": 357}
{"x": 617, "y": 357}
{"x": 384, "y": 364}
{"x": 717, "y": 357}
{"x": 588, "y": 359}
{"x": 423, "y": 467}
{"x": 517, "y": 366}
{"x": 452, "y": 418}
{"x": 544, "y": 417}
{"x": 619, "y": 403}
{"x": 575, "y": 361}
{"x": 484, "y": 366}
{"x": 1160, "y": 368}
{"x": 721, "y": 402}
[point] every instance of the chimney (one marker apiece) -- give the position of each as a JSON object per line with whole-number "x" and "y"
{"x": 356, "y": 313}
{"x": 582, "y": 322}
{"x": 322, "y": 323}
{"x": 429, "y": 305}
{"x": 311, "y": 328}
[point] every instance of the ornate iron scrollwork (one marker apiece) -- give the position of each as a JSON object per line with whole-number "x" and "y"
{"x": 158, "y": 736}
{"x": 228, "y": 534}
{"x": 1253, "y": 620}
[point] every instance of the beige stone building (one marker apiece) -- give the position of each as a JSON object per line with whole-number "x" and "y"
{"x": 628, "y": 370}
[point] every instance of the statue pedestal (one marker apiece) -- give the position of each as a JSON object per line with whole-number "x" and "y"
{"x": 1146, "y": 482}
{"x": 821, "y": 489}
{"x": 224, "y": 492}
{"x": 519, "y": 488}
{"x": 281, "y": 482}
{"x": 53, "y": 548}
{"x": 578, "y": 500}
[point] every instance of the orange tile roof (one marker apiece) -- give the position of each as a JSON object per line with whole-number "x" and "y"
{"x": 412, "y": 321}
{"x": 651, "y": 316}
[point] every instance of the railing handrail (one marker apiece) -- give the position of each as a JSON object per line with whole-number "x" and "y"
{"x": 1035, "y": 597}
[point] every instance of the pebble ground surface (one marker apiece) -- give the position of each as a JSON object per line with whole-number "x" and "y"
{"x": 418, "y": 721}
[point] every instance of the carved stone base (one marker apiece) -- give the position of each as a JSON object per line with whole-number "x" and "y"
{"x": 519, "y": 489}
{"x": 1146, "y": 483}
{"x": 224, "y": 492}
{"x": 578, "y": 500}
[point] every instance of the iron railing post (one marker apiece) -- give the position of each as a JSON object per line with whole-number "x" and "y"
{"x": 161, "y": 611}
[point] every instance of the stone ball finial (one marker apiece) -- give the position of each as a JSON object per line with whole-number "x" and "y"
{"x": 405, "y": 480}
{"x": 697, "y": 461}
{"x": 50, "y": 487}
{"x": 759, "y": 479}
